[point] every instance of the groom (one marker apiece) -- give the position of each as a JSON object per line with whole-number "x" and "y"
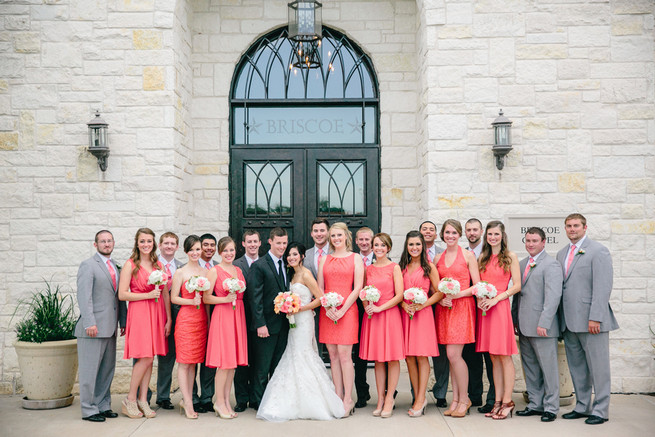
{"x": 267, "y": 278}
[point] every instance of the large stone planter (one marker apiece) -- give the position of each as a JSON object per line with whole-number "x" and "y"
{"x": 48, "y": 372}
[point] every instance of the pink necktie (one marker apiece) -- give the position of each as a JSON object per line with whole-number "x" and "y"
{"x": 571, "y": 256}
{"x": 527, "y": 268}
{"x": 320, "y": 256}
{"x": 366, "y": 261}
{"x": 208, "y": 266}
{"x": 112, "y": 273}
{"x": 167, "y": 269}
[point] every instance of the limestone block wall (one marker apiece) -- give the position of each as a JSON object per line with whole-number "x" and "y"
{"x": 60, "y": 61}
{"x": 576, "y": 78}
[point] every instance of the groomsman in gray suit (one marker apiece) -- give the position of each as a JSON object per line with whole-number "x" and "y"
{"x": 587, "y": 320}
{"x": 251, "y": 242}
{"x": 319, "y": 234}
{"x": 100, "y": 314}
{"x": 534, "y": 310}
{"x": 168, "y": 245}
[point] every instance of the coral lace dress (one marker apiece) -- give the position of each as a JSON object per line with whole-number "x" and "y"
{"x": 190, "y": 331}
{"x": 456, "y": 325}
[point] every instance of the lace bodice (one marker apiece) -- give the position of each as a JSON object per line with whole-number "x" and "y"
{"x": 302, "y": 291}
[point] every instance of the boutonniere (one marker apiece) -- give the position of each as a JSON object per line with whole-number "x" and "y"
{"x": 581, "y": 252}
{"x": 533, "y": 265}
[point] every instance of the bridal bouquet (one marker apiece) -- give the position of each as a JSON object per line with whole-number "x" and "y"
{"x": 288, "y": 303}
{"x": 331, "y": 300}
{"x": 157, "y": 278}
{"x": 484, "y": 290}
{"x": 234, "y": 285}
{"x": 197, "y": 284}
{"x": 449, "y": 286}
{"x": 370, "y": 294}
{"x": 415, "y": 295}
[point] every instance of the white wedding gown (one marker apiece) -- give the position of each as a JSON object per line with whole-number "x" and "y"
{"x": 300, "y": 387}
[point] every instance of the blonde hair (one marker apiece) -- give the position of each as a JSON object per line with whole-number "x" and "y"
{"x": 349, "y": 235}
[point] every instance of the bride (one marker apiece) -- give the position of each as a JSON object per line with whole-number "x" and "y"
{"x": 300, "y": 387}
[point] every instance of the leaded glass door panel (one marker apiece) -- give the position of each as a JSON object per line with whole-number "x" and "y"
{"x": 265, "y": 192}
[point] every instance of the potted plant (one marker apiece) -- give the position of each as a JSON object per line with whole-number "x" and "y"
{"x": 47, "y": 348}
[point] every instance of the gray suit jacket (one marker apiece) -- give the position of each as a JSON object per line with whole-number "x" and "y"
{"x": 98, "y": 299}
{"x": 309, "y": 259}
{"x": 541, "y": 292}
{"x": 587, "y": 287}
{"x": 242, "y": 263}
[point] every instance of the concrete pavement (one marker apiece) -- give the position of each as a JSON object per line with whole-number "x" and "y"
{"x": 630, "y": 415}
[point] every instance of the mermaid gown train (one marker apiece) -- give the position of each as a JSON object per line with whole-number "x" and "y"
{"x": 300, "y": 387}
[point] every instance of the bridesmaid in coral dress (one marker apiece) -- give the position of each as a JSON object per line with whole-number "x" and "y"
{"x": 419, "y": 331}
{"x": 382, "y": 331}
{"x": 227, "y": 345}
{"x": 496, "y": 331}
{"x": 148, "y": 320}
{"x": 191, "y": 323}
{"x": 455, "y": 315}
{"x": 341, "y": 272}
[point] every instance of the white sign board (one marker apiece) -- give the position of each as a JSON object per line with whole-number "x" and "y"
{"x": 552, "y": 225}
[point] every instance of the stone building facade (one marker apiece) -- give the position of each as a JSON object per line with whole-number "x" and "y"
{"x": 575, "y": 77}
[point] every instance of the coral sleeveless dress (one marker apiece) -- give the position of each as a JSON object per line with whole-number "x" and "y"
{"x": 227, "y": 345}
{"x": 339, "y": 277}
{"x": 496, "y": 330}
{"x": 419, "y": 332}
{"x": 456, "y": 325}
{"x": 146, "y": 320}
{"x": 190, "y": 331}
{"x": 382, "y": 334}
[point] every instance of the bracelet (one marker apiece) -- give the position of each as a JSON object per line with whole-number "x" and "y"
{"x": 507, "y": 293}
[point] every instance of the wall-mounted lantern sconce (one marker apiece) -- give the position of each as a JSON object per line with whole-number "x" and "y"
{"x": 502, "y": 139}
{"x": 306, "y": 30}
{"x": 98, "y": 146}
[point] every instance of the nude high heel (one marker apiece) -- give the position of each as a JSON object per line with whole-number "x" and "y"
{"x": 221, "y": 415}
{"x": 458, "y": 413}
{"x": 453, "y": 407}
{"x": 145, "y": 408}
{"x": 130, "y": 409}
{"x": 418, "y": 413}
{"x": 188, "y": 415}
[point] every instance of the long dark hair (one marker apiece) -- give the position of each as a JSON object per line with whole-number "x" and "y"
{"x": 406, "y": 258}
{"x": 301, "y": 251}
{"x": 136, "y": 254}
{"x": 504, "y": 259}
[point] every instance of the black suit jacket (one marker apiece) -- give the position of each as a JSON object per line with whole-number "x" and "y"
{"x": 263, "y": 284}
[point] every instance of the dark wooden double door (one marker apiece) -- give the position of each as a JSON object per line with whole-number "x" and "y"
{"x": 289, "y": 187}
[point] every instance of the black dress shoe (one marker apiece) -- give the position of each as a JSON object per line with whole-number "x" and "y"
{"x": 207, "y": 406}
{"x": 476, "y": 402}
{"x": 254, "y": 405}
{"x": 109, "y": 414}
{"x": 240, "y": 407}
{"x": 486, "y": 408}
{"x": 361, "y": 400}
{"x": 165, "y": 404}
{"x": 574, "y": 415}
{"x": 547, "y": 417}
{"x": 441, "y": 403}
{"x": 529, "y": 412}
{"x": 94, "y": 418}
{"x": 595, "y": 420}
{"x": 198, "y": 408}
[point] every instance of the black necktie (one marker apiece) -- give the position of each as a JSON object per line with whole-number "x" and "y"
{"x": 279, "y": 271}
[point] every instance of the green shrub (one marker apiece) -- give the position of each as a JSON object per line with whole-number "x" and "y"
{"x": 50, "y": 316}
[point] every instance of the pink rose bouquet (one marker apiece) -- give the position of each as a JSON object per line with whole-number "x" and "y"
{"x": 288, "y": 303}
{"x": 415, "y": 295}
{"x": 331, "y": 300}
{"x": 484, "y": 290}
{"x": 234, "y": 285}
{"x": 450, "y": 287}
{"x": 370, "y": 294}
